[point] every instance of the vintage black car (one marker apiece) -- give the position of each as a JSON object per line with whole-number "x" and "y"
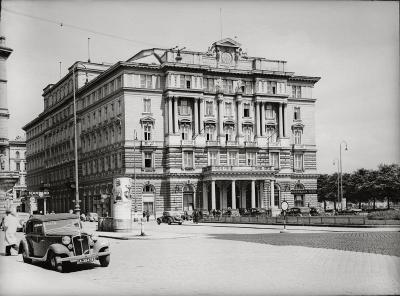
{"x": 58, "y": 239}
{"x": 170, "y": 217}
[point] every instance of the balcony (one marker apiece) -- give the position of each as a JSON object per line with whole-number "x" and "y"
{"x": 212, "y": 143}
{"x": 250, "y": 144}
{"x": 228, "y": 169}
{"x": 231, "y": 143}
{"x": 187, "y": 142}
{"x": 147, "y": 143}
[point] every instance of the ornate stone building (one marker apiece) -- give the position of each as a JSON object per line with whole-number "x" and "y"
{"x": 213, "y": 130}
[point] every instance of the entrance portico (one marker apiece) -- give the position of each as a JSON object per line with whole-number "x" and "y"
{"x": 236, "y": 187}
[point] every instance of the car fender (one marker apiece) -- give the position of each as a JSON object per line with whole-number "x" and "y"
{"x": 23, "y": 245}
{"x": 58, "y": 249}
{"x": 100, "y": 244}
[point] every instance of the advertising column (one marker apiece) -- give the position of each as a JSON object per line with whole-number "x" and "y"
{"x": 122, "y": 204}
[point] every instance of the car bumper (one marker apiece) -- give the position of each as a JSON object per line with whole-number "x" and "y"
{"x": 80, "y": 257}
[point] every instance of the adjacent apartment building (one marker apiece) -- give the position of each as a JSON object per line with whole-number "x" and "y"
{"x": 215, "y": 130}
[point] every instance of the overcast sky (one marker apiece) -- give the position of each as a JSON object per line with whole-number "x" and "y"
{"x": 352, "y": 46}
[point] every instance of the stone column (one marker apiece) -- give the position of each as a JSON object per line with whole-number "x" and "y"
{"x": 201, "y": 116}
{"x": 196, "y": 118}
{"x": 176, "y": 128}
{"x": 257, "y": 104}
{"x": 213, "y": 202}
{"x": 253, "y": 193}
{"x": 205, "y": 196}
{"x": 263, "y": 119}
{"x": 170, "y": 125}
{"x": 280, "y": 121}
{"x": 233, "y": 194}
{"x": 272, "y": 194}
{"x": 220, "y": 115}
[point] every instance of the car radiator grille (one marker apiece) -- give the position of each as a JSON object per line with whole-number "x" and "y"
{"x": 81, "y": 245}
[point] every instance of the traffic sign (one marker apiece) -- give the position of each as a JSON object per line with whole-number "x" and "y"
{"x": 284, "y": 205}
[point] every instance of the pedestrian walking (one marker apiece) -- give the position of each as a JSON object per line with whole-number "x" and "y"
{"x": 195, "y": 216}
{"x": 10, "y": 225}
{"x": 144, "y": 215}
{"x": 147, "y": 215}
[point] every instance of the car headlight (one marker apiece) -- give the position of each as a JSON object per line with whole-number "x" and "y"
{"x": 66, "y": 240}
{"x": 94, "y": 237}
{"x": 70, "y": 246}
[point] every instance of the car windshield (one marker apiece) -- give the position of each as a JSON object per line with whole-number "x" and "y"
{"x": 62, "y": 225}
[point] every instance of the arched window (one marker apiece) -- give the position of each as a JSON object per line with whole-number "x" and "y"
{"x": 148, "y": 188}
{"x": 17, "y": 154}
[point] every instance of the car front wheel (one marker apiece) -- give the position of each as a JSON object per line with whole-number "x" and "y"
{"x": 105, "y": 260}
{"x": 25, "y": 255}
{"x": 53, "y": 259}
{"x": 158, "y": 221}
{"x": 169, "y": 221}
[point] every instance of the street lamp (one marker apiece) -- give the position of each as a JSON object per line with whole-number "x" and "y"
{"x": 134, "y": 174}
{"x": 343, "y": 202}
{"x": 77, "y": 207}
{"x": 338, "y": 183}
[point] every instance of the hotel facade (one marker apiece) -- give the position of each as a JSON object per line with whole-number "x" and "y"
{"x": 213, "y": 130}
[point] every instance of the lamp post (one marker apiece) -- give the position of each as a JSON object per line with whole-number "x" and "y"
{"x": 338, "y": 182}
{"x": 343, "y": 201}
{"x": 134, "y": 174}
{"x": 77, "y": 207}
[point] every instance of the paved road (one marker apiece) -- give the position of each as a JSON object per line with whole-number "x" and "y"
{"x": 208, "y": 260}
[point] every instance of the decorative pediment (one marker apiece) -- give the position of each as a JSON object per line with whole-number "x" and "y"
{"x": 147, "y": 119}
{"x": 297, "y": 125}
{"x": 227, "y": 42}
{"x": 210, "y": 121}
{"x": 148, "y": 56}
{"x": 185, "y": 120}
{"x": 247, "y": 122}
{"x": 229, "y": 122}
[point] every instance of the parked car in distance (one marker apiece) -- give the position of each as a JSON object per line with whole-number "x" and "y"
{"x": 92, "y": 217}
{"x": 204, "y": 213}
{"x": 170, "y": 217}
{"x": 298, "y": 212}
{"x": 315, "y": 211}
{"x": 187, "y": 215}
{"x": 22, "y": 217}
{"x": 350, "y": 212}
{"x": 231, "y": 213}
{"x": 58, "y": 239}
{"x": 254, "y": 212}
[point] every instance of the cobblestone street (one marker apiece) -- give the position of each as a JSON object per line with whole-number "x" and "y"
{"x": 214, "y": 260}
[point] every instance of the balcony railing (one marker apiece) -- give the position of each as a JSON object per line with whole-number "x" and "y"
{"x": 212, "y": 143}
{"x": 147, "y": 143}
{"x": 187, "y": 142}
{"x": 250, "y": 144}
{"x": 231, "y": 168}
{"x": 231, "y": 143}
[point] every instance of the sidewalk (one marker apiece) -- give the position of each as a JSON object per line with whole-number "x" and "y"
{"x": 153, "y": 231}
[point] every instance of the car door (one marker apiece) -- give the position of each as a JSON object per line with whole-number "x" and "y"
{"x": 38, "y": 239}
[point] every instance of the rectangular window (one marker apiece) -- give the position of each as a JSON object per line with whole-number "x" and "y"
{"x": 147, "y": 132}
{"x": 228, "y": 109}
{"x": 149, "y": 81}
{"x": 209, "y": 108}
{"x": 297, "y": 137}
{"x": 248, "y": 133}
{"x": 212, "y": 158}
{"x": 210, "y": 84}
{"x": 147, "y": 105}
{"x": 18, "y": 168}
{"x": 185, "y": 129}
{"x": 296, "y": 113}
{"x": 184, "y": 107}
{"x": 246, "y": 110}
{"x": 296, "y": 91}
{"x": 271, "y": 134}
{"x": 229, "y": 133}
{"x": 274, "y": 160}
{"x": 148, "y": 159}
{"x": 270, "y": 112}
{"x": 188, "y": 159}
{"x": 143, "y": 81}
{"x": 298, "y": 162}
{"x": 209, "y": 130}
{"x": 251, "y": 158}
{"x": 232, "y": 158}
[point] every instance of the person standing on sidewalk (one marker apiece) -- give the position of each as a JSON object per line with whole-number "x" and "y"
{"x": 10, "y": 225}
{"x": 147, "y": 215}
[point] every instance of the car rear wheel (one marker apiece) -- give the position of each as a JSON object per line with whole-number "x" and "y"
{"x": 169, "y": 221}
{"x": 158, "y": 221}
{"x": 104, "y": 260}
{"x": 55, "y": 263}
{"x": 180, "y": 223}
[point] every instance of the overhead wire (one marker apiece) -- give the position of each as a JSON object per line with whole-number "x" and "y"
{"x": 79, "y": 28}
